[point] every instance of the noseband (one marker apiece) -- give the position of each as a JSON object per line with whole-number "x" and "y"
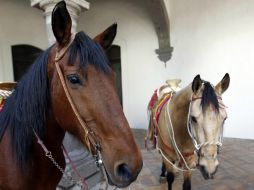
{"x": 193, "y": 134}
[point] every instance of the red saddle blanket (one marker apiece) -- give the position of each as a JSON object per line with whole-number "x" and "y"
{"x": 161, "y": 104}
{"x": 153, "y": 99}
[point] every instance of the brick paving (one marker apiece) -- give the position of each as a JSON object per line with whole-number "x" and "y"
{"x": 236, "y": 170}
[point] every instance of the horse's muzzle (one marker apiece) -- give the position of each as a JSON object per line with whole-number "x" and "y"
{"x": 124, "y": 175}
{"x": 206, "y": 174}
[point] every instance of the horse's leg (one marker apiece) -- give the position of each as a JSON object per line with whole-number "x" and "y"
{"x": 187, "y": 180}
{"x": 170, "y": 174}
{"x": 163, "y": 173}
{"x": 163, "y": 170}
{"x": 170, "y": 179}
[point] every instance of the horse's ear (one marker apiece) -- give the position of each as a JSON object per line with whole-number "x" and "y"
{"x": 222, "y": 86}
{"x": 196, "y": 84}
{"x": 106, "y": 38}
{"x": 61, "y": 23}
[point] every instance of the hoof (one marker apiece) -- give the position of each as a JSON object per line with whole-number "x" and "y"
{"x": 162, "y": 179}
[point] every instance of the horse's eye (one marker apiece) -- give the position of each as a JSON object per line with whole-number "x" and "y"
{"x": 74, "y": 79}
{"x": 193, "y": 119}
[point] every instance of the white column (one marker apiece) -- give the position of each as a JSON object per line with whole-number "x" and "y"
{"x": 75, "y": 7}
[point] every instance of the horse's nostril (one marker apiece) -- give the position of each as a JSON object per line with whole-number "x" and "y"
{"x": 123, "y": 171}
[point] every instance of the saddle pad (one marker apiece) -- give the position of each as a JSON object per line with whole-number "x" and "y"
{"x": 161, "y": 104}
{"x": 153, "y": 100}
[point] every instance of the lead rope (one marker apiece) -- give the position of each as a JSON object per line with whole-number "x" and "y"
{"x": 175, "y": 145}
{"x": 67, "y": 176}
{"x": 82, "y": 179}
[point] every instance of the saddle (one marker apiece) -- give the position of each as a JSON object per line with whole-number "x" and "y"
{"x": 160, "y": 97}
{"x": 6, "y": 89}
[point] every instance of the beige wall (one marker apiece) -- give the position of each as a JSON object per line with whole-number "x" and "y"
{"x": 212, "y": 38}
{"x": 19, "y": 24}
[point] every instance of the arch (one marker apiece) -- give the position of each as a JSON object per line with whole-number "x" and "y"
{"x": 23, "y": 56}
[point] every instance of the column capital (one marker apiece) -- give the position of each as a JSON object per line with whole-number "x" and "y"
{"x": 75, "y": 7}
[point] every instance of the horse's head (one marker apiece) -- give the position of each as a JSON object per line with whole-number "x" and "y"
{"x": 207, "y": 116}
{"x": 96, "y": 116}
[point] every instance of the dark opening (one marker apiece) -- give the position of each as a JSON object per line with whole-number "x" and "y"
{"x": 114, "y": 56}
{"x": 23, "y": 56}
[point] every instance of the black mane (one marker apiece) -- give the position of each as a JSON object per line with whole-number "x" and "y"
{"x": 88, "y": 52}
{"x": 26, "y": 109}
{"x": 209, "y": 97}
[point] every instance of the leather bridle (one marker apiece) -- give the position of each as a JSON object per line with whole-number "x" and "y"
{"x": 91, "y": 140}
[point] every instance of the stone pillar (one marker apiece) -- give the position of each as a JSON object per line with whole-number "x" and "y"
{"x": 75, "y": 7}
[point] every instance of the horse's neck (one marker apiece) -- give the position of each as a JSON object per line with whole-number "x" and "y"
{"x": 54, "y": 133}
{"x": 182, "y": 99}
{"x": 180, "y": 109}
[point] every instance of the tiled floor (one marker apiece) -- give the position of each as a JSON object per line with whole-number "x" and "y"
{"x": 236, "y": 170}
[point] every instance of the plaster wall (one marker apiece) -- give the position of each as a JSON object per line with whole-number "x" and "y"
{"x": 19, "y": 24}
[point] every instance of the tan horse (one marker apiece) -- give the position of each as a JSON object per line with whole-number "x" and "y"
{"x": 189, "y": 129}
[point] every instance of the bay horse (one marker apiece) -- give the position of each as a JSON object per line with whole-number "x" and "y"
{"x": 188, "y": 129}
{"x": 70, "y": 87}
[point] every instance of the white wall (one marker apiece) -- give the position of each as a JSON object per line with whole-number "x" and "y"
{"x": 19, "y": 24}
{"x": 142, "y": 72}
{"x": 212, "y": 38}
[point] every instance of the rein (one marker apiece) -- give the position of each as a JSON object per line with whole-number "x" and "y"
{"x": 91, "y": 140}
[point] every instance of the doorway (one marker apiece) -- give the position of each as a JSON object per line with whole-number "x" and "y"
{"x": 114, "y": 56}
{"x": 23, "y": 57}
